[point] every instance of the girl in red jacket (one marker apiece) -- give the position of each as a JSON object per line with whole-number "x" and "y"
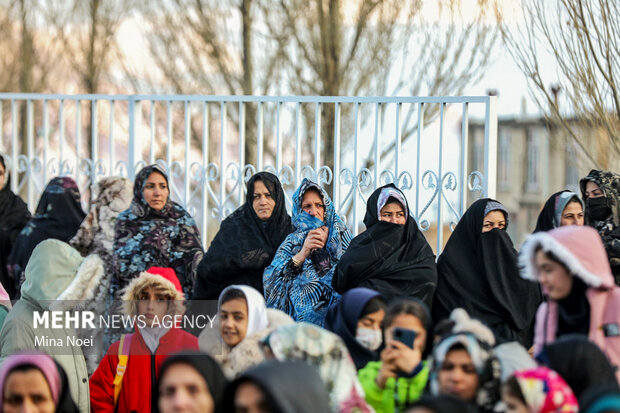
{"x": 154, "y": 298}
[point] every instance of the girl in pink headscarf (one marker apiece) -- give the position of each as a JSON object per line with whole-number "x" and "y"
{"x": 571, "y": 265}
{"x": 538, "y": 390}
{"x": 33, "y": 379}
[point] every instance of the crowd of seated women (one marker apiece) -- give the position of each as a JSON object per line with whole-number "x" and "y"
{"x": 308, "y": 317}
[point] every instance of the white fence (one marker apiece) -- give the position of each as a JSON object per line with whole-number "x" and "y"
{"x": 350, "y": 145}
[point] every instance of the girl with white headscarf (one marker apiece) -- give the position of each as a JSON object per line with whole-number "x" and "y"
{"x": 243, "y": 320}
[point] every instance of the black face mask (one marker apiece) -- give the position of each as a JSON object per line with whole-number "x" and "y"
{"x": 597, "y": 208}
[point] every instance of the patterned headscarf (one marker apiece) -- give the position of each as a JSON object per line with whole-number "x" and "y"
{"x": 609, "y": 182}
{"x": 327, "y": 352}
{"x": 307, "y": 295}
{"x": 147, "y": 238}
{"x": 545, "y": 391}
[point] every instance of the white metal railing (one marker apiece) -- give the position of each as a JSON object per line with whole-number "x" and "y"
{"x": 203, "y": 148}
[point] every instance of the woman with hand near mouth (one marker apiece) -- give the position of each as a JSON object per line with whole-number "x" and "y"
{"x": 243, "y": 321}
{"x": 571, "y": 265}
{"x": 247, "y": 240}
{"x": 154, "y": 298}
{"x": 299, "y": 280}
{"x": 155, "y": 231}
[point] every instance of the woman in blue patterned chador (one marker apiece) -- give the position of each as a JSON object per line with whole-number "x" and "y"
{"x": 155, "y": 232}
{"x": 299, "y": 280}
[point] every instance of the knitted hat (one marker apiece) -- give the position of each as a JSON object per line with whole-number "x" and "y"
{"x": 478, "y": 340}
{"x": 41, "y": 361}
{"x": 159, "y": 278}
{"x": 579, "y": 248}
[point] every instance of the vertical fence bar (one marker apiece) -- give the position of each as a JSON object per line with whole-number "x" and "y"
{"x": 205, "y": 164}
{"x": 278, "y": 141}
{"x": 490, "y": 147}
{"x": 418, "y": 156}
{"x": 111, "y": 138}
{"x": 397, "y": 137}
{"x": 222, "y": 158}
{"x": 442, "y": 121}
{"x": 377, "y": 139}
{"x": 317, "y": 140}
{"x": 14, "y": 160}
{"x": 187, "y": 134}
{"x": 61, "y": 135}
{"x": 241, "y": 150}
{"x": 30, "y": 151}
{"x": 356, "y": 132}
{"x": 169, "y": 133}
{"x": 45, "y": 138}
{"x": 260, "y": 137}
{"x": 94, "y": 144}
{"x": 464, "y": 157}
{"x": 152, "y": 123}
{"x": 297, "y": 144}
{"x": 336, "y": 175}
{"x": 132, "y": 156}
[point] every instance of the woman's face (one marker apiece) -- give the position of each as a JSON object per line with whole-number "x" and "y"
{"x": 153, "y": 305}
{"x": 554, "y": 278}
{"x": 156, "y": 191}
{"x": 372, "y": 321}
{"x": 249, "y": 398}
{"x": 457, "y": 375}
{"x": 2, "y": 176}
{"x": 593, "y": 190}
{"x": 513, "y": 404}
{"x": 394, "y": 213}
{"x": 233, "y": 321}
{"x": 409, "y": 322}
{"x": 27, "y": 391}
{"x": 572, "y": 214}
{"x": 183, "y": 389}
{"x": 312, "y": 203}
{"x": 492, "y": 220}
{"x": 262, "y": 202}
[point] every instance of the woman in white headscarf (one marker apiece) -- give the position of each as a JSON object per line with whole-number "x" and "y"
{"x": 243, "y": 320}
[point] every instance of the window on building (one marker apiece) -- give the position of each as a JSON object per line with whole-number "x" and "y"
{"x": 503, "y": 161}
{"x": 533, "y": 161}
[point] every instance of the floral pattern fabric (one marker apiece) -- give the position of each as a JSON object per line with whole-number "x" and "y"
{"x": 147, "y": 238}
{"x": 306, "y": 293}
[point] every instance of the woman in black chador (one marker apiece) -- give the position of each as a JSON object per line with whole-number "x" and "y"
{"x": 478, "y": 271}
{"x": 247, "y": 240}
{"x": 14, "y": 215}
{"x": 392, "y": 256}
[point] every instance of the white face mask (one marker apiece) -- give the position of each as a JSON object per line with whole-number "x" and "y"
{"x": 369, "y": 338}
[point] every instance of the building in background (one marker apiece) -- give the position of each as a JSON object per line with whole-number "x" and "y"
{"x": 534, "y": 160}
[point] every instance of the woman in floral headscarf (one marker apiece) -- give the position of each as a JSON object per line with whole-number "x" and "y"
{"x": 58, "y": 215}
{"x": 155, "y": 232}
{"x": 299, "y": 279}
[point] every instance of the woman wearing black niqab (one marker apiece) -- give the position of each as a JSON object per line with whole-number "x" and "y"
{"x": 14, "y": 215}
{"x": 478, "y": 272}
{"x": 392, "y": 259}
{"x": 245, "y": 243}
{"x": 58, "y": 216}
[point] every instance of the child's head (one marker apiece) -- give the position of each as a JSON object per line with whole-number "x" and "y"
{"x": 242, "y": 312}
{"x": 409, "y": 314}
{"x": 154, "y": 294}
{"x": 538, "y": 390}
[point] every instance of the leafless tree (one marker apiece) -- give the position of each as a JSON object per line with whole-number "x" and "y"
{"x": 86, "y": 33}
{"x": 582, "y": 39}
